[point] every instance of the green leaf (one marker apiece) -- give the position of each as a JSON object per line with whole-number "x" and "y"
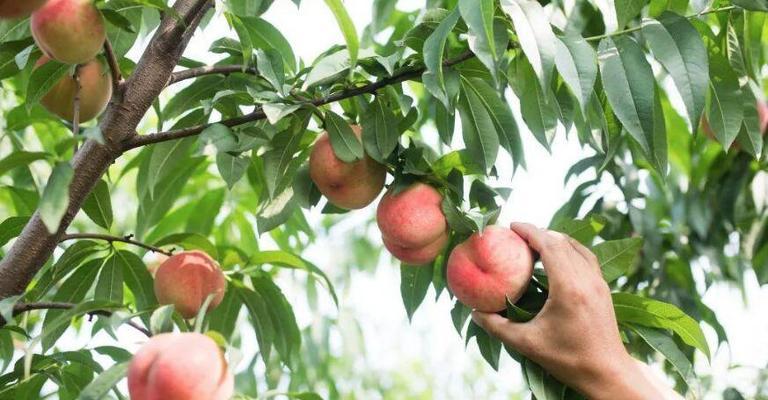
{"x": 380, "y": 135}
{"x": 537, "y": 107}
{"x": 629, "y": 85}
{"x": 725, "y": 111}
{"x": 223, "y": 319}
{"x": 534, "y": 35}
{"x": 109, "y": 287}
{"x": 501, "y": 116}
{"x": 327, "y": 69}
{"x": 576, "y": 61}
{"x": 55, "y": 198}
{"x": 260, "y": 317}
{"x": 616, "y": 257}
{"x": 627, "y": 10}
{"x": 486, "y": 38}
{"x": 11, "y": 228}
{"x": 20, "y": 159}
{"x": 434, "y": 49}
{"x": 347, "y": 28}
{"x": 656, "y": 314}
{"x": 479, "y": 132}
{"x": 753, "y": 5}
{"x": 276, "y": 211}
{"x": 414, "y": 283}
{"x": 98, "y": 205}
{"x": 543, "y": 385}
{"x": 276, "y": 112}
{"x": 107, "y": 380}
{"x": 583, "y": 230}
{"x": 137, "y": 279}
{"x": 232, "y": 168}
{"x": 288, "y": 337}
{"x": 490, "y": 347}
{"x": 344, "y": 142}
{"x": 750, "y": 134}
{"x": 664, "y": 344}
{"x": 265, "y": 36}
{"x": 287, "y": 260}
{"x": 43, "y": 79}
{"x": 678, "y": 46}
{"x": 459, "y": 315}
{"x": 161, "y": 320}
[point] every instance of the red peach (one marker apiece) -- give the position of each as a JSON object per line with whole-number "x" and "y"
{"x": 186, "y": 279}
{"x": 18, "y": 8}
{"x": 95, "y": 92}
{"x": 180, "y": 366}
{"x": 490, "y": 267}
{"x": 412, "y": 223}
{"x": 347, "y": 185}
{"x": 70, "y": 31}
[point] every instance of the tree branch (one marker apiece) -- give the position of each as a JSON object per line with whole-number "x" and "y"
{"x": 129, "y": 104}
{"x": 26, "y": 307}
{"x": 114, "y": 65}
{"x": 258, "y": 114}
{"x": 210, "y": 70}
{"x": 109, "y": 238}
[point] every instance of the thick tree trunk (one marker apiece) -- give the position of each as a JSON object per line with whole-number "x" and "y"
{"x": 129, "y": 105}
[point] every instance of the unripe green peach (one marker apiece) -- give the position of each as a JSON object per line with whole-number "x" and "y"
{"x": 95, "y": 92}
{"x": 18, "y": 8}
{"x": 347, "y": 185}
{"x": 186, "y": 279}
{"x": 70, "y": 31}
{"x": 412, "y": 223}
{"x": 490, "y": 267}
{"x": 180, "y": 366}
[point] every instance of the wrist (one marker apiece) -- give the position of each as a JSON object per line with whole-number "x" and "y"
{"x": 624, "y": 378}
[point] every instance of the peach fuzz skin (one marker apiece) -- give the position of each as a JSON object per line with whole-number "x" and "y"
{"x": 186, "y": 279}
{"x": 179, "y": 366}
{"x": 490, "y": 267}
{"x": 347, "y": 185}
{"x": 412, "y": 224}
{"x": 70, "y": 31}
{"x": 95, "y": 92}
{"x": 18, "y": 8}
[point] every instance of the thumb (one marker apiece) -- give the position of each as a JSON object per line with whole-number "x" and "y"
{"x": 514, "y": 334}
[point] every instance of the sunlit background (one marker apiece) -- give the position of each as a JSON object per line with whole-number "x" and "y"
{"x": 377, "y": 351}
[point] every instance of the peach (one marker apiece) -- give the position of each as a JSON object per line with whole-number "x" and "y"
{"x": 19, "y": 8}
{"x": 412, "y": 223}
{"x": 347, "y": 185}
{"x": 490, "y": 267}
{"x": 95, "y": 92}
{"x": 70, "y": 31}
{"x": 186, "y": 279}
{"x": 179, "y": 366}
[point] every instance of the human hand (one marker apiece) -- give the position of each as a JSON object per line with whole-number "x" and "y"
{"x": 575, "y": 336}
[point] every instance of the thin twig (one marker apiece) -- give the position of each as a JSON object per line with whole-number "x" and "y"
{"x": 26, "y": 307}
{"x": 114, "y": 66}
{"x": 209, "y": 70}
{"x": 258, "y": 114}
{"x": 76, "y": 107}
{"x": 109, "y": 238}
{"x": 637, "y": 28}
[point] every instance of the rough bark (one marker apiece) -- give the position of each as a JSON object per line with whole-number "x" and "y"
{"x": 129, "y": 104}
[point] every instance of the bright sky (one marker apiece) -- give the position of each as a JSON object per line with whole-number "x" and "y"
{"x": 430, "y": 342}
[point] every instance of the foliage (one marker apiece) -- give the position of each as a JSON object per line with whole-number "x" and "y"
{"x": 220, "y": 166}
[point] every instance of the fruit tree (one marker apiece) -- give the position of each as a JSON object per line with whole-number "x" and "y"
{"x": 167, "y": 168}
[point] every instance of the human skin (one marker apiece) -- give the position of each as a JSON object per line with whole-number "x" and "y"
{"x": 575, "y": 336}
{"x": 412, "y": 223}
{"x": 70, "y": 31}
{"x": 490, "y": 267}
{"x": 18, "y": 8}
{"x": 186, "y": 279}
{"x": 347, "y": 185}
{"x": 95, "y": 92}
{"x": 179, "y": 366}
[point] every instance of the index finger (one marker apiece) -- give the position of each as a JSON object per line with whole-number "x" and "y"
{"x": 557, "y": 253}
